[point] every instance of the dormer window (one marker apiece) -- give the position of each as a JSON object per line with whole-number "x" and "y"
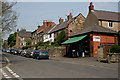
{"x": 110, "y": 24}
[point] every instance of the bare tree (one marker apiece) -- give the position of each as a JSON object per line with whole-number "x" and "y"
{"x": 8, "y": 18}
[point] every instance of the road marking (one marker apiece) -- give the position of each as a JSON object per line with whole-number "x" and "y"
{"x": 13, "y": 73}
{"x": 4, "y": 74}
{"x": 9, "y": 70}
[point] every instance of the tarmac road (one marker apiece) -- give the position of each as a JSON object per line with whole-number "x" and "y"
{"x": 22, "y": 67}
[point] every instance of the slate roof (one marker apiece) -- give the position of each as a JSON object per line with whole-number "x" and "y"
{"x": 107, "y": 15}
{"x": 26, "y": 34}
{"x": 94, "y": 28}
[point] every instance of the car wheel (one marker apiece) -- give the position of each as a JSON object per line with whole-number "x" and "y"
{"x": 38, "y": 58}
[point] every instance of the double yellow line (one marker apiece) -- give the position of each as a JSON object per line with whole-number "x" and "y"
{"x": 8, "y": 63}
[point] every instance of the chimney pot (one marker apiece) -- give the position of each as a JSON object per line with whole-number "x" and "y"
{"x": 17, "y": 30}
{"x": 60, "y": 20}
{"x": 91, "y": 7}
{"x": 90, "y": 3}
{"x": 69, "y": 16}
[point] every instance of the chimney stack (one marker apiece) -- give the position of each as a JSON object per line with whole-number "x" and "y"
{"x": 69, "y": 16}
{"x": 60, "y": 20}
{"x": 38, "y": 25}
{"x": 91, "y": 7}
{"x": 45, "y": 22}
{"x": 17, "y": 30}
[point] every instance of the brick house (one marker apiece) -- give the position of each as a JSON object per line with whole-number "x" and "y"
{"x": 95, "y": 37}
{"x": 21, "y": 38}
{"x": 38, "y": 34}
{"x": 73, "y": 24}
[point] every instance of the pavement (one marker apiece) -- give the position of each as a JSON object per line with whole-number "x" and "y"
{"x": 88, "y": 61}
{"x": 59, "y": 67}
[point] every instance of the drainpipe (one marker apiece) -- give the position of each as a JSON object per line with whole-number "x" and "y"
{"x": 66, "y": 35}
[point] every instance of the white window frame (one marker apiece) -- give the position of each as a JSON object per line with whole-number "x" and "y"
{"x": 111, "y": 26}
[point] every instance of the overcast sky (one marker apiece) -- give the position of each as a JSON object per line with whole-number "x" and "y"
{"x": 33, "y": 13}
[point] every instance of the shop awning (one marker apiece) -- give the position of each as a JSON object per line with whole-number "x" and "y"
{"x": 75, "y": 39}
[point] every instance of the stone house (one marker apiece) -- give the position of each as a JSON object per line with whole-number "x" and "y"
{"x": 21, "y": 38}
{"x": 70, "y": 26}
{"x": 106, "y": 19}
{"x": 34, "y": 37}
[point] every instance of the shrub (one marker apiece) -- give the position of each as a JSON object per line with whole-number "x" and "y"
{"x": 115, "y": 49}
{"x": 61, "y": 37}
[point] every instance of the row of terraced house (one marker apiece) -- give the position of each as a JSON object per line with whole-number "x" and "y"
{"x": 99, "y": 28}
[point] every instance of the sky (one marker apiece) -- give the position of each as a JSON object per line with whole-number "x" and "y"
{"x": 30, "y": 14}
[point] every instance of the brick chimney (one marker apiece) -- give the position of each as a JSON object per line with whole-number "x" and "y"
{"x": 17, "y": 30}
{"x": 91, "y": 7}
{"x": 45, "y": 23}
{"x": 60, "y": 20}
{"x": 69, "y": 16}
{"x": 38, "y": 25}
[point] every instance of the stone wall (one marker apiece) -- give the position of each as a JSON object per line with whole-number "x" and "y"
{"x": 76, "y": 25}
{"x": 57, "y": 51}
{"x": 105, "y": 24}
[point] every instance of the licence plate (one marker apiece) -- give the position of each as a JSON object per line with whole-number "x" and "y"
{"x": 44, "y": 54}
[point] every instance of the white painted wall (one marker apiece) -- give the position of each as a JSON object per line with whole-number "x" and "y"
{"x": 47, "y": 37}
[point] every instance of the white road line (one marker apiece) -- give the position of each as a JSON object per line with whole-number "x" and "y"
{"x": 13, "y": 73}
{"x": 4, "y": 74}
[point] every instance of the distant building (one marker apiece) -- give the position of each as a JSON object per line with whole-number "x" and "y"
{"x": 39, "y": 34}
{"x": 21, "y": 37}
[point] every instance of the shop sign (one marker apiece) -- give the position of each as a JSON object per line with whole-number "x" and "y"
{"x": 96, "y": 38}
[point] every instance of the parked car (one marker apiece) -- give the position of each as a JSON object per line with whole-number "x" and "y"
{"x": 11, "y": 51}
{"x": 23, "y": 52}
{"x": 19, "y": 52}
{"x": 7, "y": 50}
{"x": 3, "y": 50}
{"x": 29, "y": 53}
{"x": 41, "y": 54}
{"x": 15, "y": 52}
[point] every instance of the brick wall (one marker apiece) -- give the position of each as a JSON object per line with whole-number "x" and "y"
{"x": 104, "y": 39}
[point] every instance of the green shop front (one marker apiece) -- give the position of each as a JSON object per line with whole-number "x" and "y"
{"x": 78, "y": 46}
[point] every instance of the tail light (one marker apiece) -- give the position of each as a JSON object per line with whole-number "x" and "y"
{"x": 24, "y": 52}
{"x": 31, "y": 53}
{"x": 40, "y": 54}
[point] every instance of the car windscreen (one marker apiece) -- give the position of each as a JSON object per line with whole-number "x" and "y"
{"x": 43, "y": 51}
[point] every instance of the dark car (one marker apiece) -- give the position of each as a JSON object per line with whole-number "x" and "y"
{"x": 41, "y": 54}
{"x": 8, "y": 50}
{"x": 15, "y": 52}
{"x": 23, "y": 52}
{"x": 3, "y": 50}
{"x": 19, "y": 52}
{"x": 12, "y": 51}
{"x": 29, "y": 53}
